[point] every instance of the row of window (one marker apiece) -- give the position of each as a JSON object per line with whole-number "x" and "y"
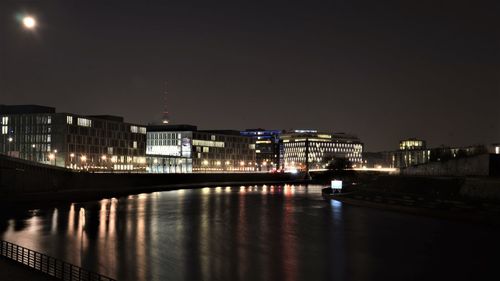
{"x": 324, "y": 144}
{"x": 27, "y": 119}
{"x": 163, "y": 142}
{"x": 136, "y": 129}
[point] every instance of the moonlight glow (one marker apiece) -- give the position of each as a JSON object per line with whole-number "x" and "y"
{"x": 29, "y": 22}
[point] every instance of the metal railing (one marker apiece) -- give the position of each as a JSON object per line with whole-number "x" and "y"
{"x": 49, "y": 265}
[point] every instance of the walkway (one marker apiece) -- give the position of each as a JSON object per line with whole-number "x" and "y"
{"x": 13, "y": 271}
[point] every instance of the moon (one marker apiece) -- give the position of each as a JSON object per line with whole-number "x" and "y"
{"x": 29, "y": 22}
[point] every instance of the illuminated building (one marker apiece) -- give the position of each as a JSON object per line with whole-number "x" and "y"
{"x": 411, "y": 152}
{"x": 267, "y": 147}
{"x": 39, "y": 134}
{"x": 309, "y": 149}
{"x": 412, "y": 144}
{"x": 494, "y": 148}
{"x": 185, "y": 149}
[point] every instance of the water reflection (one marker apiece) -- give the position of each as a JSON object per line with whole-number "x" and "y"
{"x": 268, "y": 232}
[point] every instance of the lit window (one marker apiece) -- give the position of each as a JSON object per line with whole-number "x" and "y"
{"x": 84, "y": 122}
{"x": 134, "y": 129}
{"x": 134, "y": 144}
{"x": 5, "y": 130}
{"x": 69, "y": 120}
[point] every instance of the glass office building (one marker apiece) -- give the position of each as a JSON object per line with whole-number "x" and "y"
{"x": 185, "y": 149}
{"x": 267, "y": 148}
{"x": 310, "y": 149}
{"x": 98, "y": 143}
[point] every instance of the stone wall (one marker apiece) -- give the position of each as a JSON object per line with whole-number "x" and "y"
{"x": 478, "y": 165}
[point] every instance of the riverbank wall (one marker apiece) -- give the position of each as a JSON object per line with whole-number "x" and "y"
{"x": 25, "y": 180}
{"x": 479, "y": 165}
{"x": 483, "y": 189}
{"x": 474, "y": 199}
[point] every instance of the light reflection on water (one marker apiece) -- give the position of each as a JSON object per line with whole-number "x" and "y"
{"x": 268, "y": 232}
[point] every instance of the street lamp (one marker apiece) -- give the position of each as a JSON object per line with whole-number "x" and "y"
{"x": 104, "y": 158}
{"x": 52, "y": 157}
{"x": 10, "y": 139}
{"x": 33, "y": 152}
{"x": 83, "y": 159}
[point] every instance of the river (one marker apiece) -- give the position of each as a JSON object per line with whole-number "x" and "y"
{"x": 253, "y": 233}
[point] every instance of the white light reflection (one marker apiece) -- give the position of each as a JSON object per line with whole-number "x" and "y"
{"x": 53, "y": 230}
{"x": 337, "y": 210}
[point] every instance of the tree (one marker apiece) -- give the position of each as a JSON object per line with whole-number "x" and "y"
{"x": 339, "y": 164}
{"x": 461, "y": 153}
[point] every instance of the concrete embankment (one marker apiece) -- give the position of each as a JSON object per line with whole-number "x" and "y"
{"x": 478, "y": 165}
{"x": 26, "y": 181}
{"x": 473, "y": 199}
{"x": 483, "y": 189}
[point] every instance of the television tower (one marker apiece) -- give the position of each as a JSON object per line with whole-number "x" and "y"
{"x": 165, "y": 116}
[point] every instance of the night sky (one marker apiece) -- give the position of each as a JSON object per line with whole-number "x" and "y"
{"x": 384, "y": 70}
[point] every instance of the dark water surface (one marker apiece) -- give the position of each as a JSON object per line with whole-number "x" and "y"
{"x": 254, "y": 233}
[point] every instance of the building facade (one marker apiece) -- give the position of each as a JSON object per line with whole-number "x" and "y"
{"x": 267, "y": 148}
{"x": 411, "y": 152}
{"x": 310, "y": 149}
{"x": 184, "y": 149}
{"x": 100, "y": 143}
